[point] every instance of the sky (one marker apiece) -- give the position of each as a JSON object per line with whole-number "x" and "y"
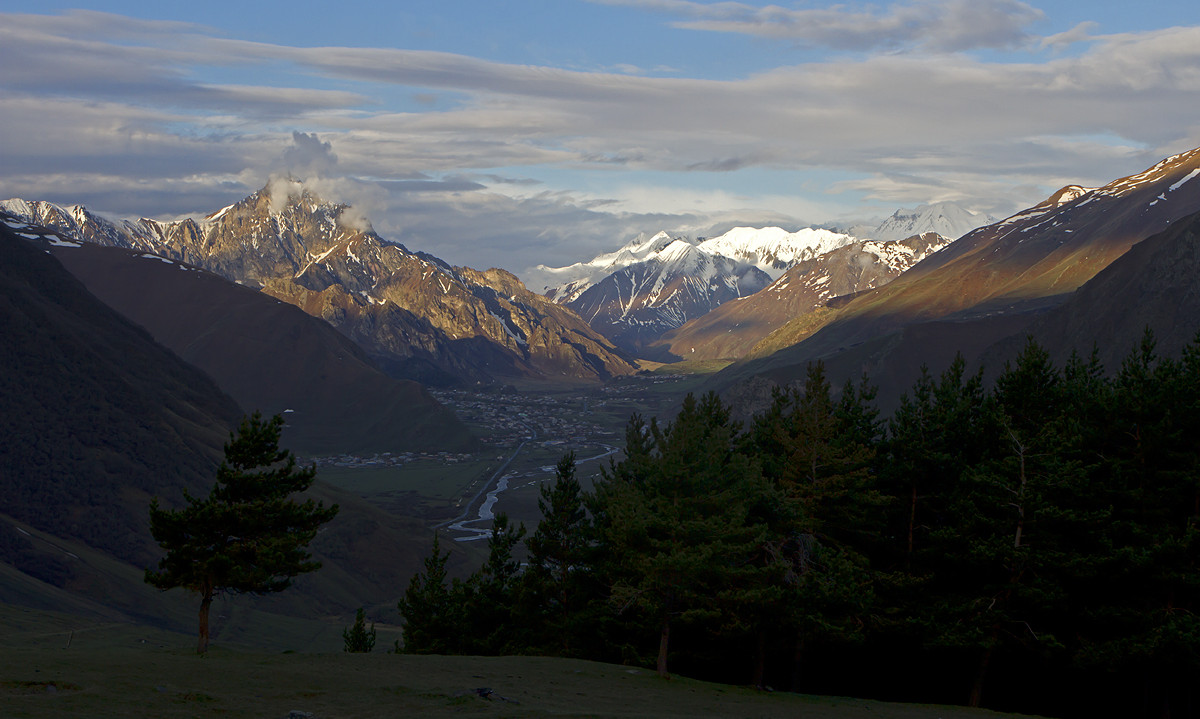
{"x": 531, "y": 132}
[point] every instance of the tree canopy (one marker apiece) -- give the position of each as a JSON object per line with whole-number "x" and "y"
{"x": 1030, "y": 545}
{"x": 247, "y": 535}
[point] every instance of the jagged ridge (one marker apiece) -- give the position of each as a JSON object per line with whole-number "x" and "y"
{"x": 420, "y": 317}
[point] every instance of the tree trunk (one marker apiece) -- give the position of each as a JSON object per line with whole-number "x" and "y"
{"x": 977, "y": 686}
{"x": 912, "y": 526}
{"x": 663, "y": 642}
{"x": 798, "y": 662}
{"x": 205, "y": 603}
{"x": 760, "y": 660}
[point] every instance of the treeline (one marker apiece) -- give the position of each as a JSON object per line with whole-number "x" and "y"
{"x": 1029, "y": 546}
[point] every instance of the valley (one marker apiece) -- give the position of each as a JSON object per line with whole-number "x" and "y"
{"x": 524, "y": 433}
{"x": 434, "y": 399}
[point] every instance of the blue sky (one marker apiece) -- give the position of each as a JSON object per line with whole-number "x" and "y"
{"x": 528, "y": 132}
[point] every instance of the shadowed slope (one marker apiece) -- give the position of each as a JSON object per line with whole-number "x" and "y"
{"x": 988, "y": 285}
{"x": 1156, "y": 284}
{"x": 96, "y": 416}
{"x": 270, "y": 355}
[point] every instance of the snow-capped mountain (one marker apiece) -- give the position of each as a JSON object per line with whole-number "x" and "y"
{"x": 807, "y": 287}
{"x": 770, "y": 249}
{"x": 774, "y": 250}
{"x": 948, "y": 219}
{"x": 563, "y": 284}
{"x": 655, "y": 283}
{"x": 637, "y": 303}
{"x": 417, "y": 315}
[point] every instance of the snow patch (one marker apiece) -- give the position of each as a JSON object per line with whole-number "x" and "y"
{"x": 1179, "y": 184}
{"x": 508, "y": 330}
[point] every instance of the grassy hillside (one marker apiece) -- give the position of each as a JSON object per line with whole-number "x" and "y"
{"x": 110, "y": 669}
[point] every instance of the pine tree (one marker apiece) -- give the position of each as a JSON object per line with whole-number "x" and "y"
{"x": 488, "y": 599}
{"x": 1142, "y": 616}
{"x": 557, "y": 551}
{"x": 357, "y": 638}
{"x": 247, "y": 536}
{"x": 819, "y": 455}
{"x": 429, "y": 608}
{"x": 1018, "y": 519}
{"x": 673, "y": 519}
{"x": 932, "y": 437}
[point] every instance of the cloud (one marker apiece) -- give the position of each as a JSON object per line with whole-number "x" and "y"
{"x": 1080, "y": 33}
{"x": 491, "y": 172}
{"x": 308, "y": 156}
{"x": 930, "y": 25}
{"x": 138, "y": 61}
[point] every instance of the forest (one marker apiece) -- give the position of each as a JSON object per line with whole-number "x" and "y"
{"x": 1028, "y": 544}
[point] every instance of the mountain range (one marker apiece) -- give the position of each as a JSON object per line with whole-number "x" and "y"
{"x": 131, "y": 348}
{"x": 417, "y": 316}
{"x": 806, "y": 290}
{"x": 994, "y": 284}
{"x": 653, "y": 297}
{"x": 98, "y": 417}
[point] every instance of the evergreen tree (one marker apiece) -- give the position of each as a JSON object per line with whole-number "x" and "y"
{"x": 673, "y": 518}
{"x": 357, "y": 638}
{"x": 1141, "y": 618}
{"x": 557, "y": 552}
{"x": 819, "y": 455}
{"x": 1019, "y": 519}
{"x": 489, "y": 596}
{"x": 430, "y": 611}
{"x": 247, "y": 536}
{"x": 933, "y": 436}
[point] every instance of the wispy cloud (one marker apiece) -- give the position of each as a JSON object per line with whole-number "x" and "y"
{"x": 931, "y": 25}
{"x": 130, "y": 119}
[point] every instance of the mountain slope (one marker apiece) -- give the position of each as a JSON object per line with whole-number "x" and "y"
{"x": 948, "y": 219}
{"x": 98, "y": 418}
{"x": 1156, "y": 285}
{"x": 417, "y": 315}
{"x": 653, "y": 285}
{"x": 988, "y": 285}
{"x": 269, "y": 355}
{"x": 732, "y": 329}
{"x": 95, "y": 415}
{"x": 635, "y": 305}
{"x": 1035, "y": 257}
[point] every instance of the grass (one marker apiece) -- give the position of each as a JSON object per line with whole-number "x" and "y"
{"x": 146, "y": 679}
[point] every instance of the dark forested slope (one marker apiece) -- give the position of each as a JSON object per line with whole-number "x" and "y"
{"x": 93, "y": 412}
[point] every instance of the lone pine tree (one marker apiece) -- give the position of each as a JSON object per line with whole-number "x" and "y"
{"x": 357, "y": 639}
{"x": 247, "y": 536}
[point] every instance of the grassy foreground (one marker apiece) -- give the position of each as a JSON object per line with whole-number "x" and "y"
{"x": 109, "y": 671}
